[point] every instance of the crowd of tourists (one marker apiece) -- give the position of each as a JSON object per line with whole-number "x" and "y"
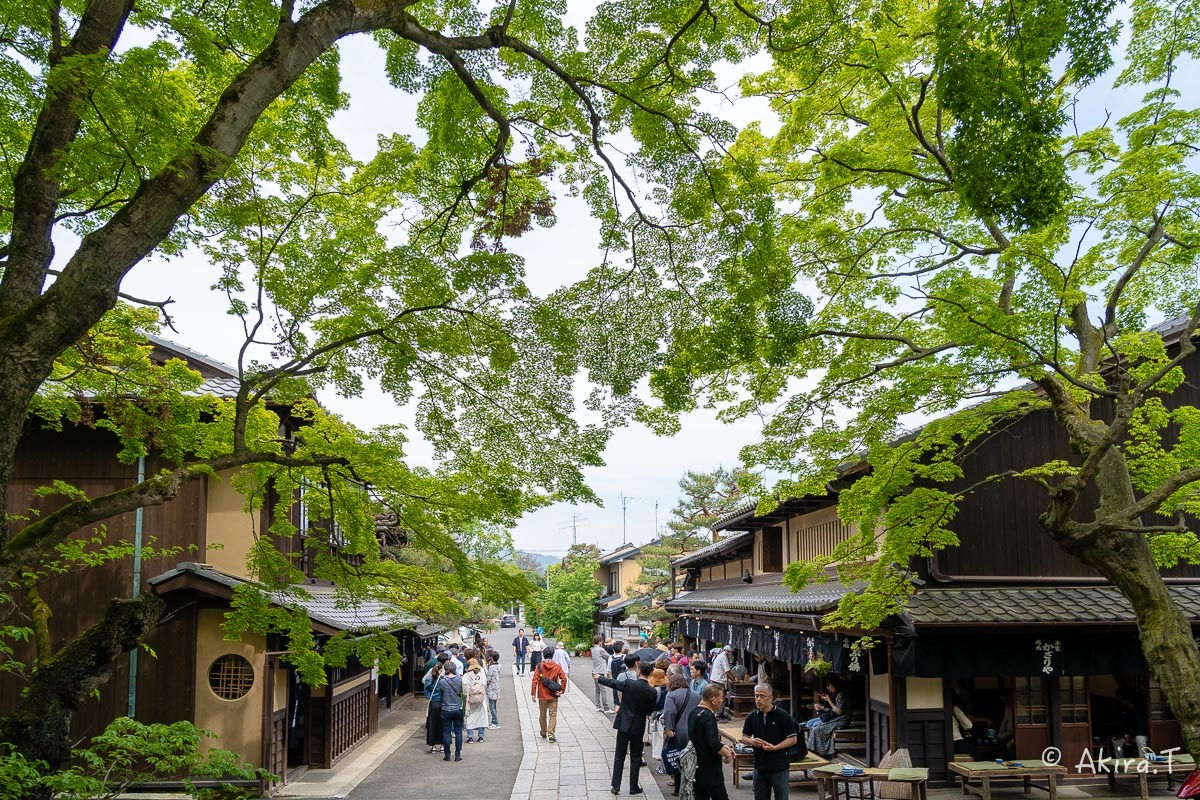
{"x": 462, "y": 685}
{"x": 670, "y": 701}
{"x": 672, "y": 704}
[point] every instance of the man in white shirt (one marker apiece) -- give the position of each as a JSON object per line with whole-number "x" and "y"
{"x": 562, "y": 657}
{"x": 454, "y": 656}
{"x": 720, "y": 666}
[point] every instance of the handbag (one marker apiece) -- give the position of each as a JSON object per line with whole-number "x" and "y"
{"x": 551, "y": 686}
{"x": 670, "y": 756}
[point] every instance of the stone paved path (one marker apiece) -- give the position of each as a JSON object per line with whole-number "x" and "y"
{"x": 579, "y": 765}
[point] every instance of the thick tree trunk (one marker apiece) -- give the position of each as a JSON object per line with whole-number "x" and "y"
{"x": 1124, "y": 558}
{"x": 41, "y": 727}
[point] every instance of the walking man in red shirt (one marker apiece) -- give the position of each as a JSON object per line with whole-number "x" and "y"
{"x": 549, "y": 683}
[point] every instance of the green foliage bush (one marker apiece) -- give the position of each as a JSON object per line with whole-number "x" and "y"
{"x": 129, "y": 753}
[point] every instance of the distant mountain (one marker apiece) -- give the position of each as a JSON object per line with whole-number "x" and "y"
{"x": 542, "y": 559}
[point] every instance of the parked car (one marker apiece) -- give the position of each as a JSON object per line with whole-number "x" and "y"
{"x": 508, "y": 621}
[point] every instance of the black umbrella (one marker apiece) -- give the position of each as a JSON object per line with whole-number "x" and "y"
{"x": 650, "y": 654}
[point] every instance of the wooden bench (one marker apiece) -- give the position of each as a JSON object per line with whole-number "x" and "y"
{"x": 744, "y": 761}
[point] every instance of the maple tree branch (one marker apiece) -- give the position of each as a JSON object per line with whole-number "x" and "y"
{"x": 41, "y": 535}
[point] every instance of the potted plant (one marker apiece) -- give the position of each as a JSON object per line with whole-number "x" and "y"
{"x": 819, "y": 666}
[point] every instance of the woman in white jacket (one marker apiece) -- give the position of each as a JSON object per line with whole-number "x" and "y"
{"x": 475, "y": 691}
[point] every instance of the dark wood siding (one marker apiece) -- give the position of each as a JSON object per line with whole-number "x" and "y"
{"x": 997, "y": 523}
{"x": 86, "y": 459}
{"x": 926, "y": 738}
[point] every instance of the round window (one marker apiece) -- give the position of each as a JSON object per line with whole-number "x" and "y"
{"x": 230, "y": 677}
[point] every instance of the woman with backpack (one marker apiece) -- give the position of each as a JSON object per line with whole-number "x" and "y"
{"x": 475, "y": 690}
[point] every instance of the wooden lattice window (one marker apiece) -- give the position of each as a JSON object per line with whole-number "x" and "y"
{"x": 230, "y": 677}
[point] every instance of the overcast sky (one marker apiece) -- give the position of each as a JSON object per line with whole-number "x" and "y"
{"x": 640, "y": 465}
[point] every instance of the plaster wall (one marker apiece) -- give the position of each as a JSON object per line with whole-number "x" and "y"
{"x": 237, "y": 723}
{"x": 229, "y": 525}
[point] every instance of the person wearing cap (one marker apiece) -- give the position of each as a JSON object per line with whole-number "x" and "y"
{"x": 475, "y": 690}
{"x": 562, "y": 657}
{"x": 451, "y": 688}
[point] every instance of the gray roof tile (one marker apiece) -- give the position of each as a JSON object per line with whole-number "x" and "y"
{"x": 723, "y": 546}
{"x": 1031, "y": 605}
{"x": 771, "y": 598}
{"x": 324, "y": 604}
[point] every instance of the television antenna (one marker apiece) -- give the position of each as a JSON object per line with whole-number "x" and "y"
{"x": 573, "y": 524}
{"x": 624, "y": 504}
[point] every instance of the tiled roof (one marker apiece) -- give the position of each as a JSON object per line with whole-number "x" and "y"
{"x": 326, "y": 604}
{"x": 771, "y": 598}
{"x": 1035, "y": 605}
{"x": 219, "y": 387}
{"x": 744, "y": 508}
{"x": 608, "y": 598}
{"x": 428, "y": 629}
{"x": 618, "y": 554}
{"x": 723, "y": 546}
{"x": 323, "y": 604}
{"x": 624, "y": 551}
{"x": 193, "y": 357}
{"x": 612, "y": 611}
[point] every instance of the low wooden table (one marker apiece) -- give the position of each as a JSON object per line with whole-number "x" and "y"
{"x": 830, "y": 780}
{"x": 1178, "y": 764}
{"x": 987, "y": 771}
{"x": 732, "y": 732}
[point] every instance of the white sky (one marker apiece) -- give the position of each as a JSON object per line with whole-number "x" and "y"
{"x": 640, "y": 464}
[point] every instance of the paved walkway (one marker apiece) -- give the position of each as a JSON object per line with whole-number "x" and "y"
{"x": 579, "y": 765}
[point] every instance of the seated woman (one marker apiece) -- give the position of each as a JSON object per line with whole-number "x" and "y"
{"x": 832, "y": 714}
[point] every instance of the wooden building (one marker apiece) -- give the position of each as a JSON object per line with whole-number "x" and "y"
{"x": 1004, "y": 623}
{"x": 616, "y": 572}
{"x": 228, "y": 685}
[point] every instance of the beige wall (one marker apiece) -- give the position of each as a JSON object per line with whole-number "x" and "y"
{"x": 627, "y": 572}
{"x": 879, "y": 685}
{"x": 237, "y": 723}
{"x": 924, "y": 692}
{"x": 228, "y": 525}
{"x": 726, "y": 571}
{"x": 281, "y": 687}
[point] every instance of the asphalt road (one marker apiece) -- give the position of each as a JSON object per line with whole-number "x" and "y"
{"x": 487, "y": 770}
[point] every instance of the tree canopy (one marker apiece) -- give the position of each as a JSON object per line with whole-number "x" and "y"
{"x": 567, "y": 606}
{"x": 132, "y": 134}
{"x": 950, "y": 224}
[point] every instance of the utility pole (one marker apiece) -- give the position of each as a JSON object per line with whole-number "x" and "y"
{"x": 656, "y": 530}
{"x": 624, "y": 504}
